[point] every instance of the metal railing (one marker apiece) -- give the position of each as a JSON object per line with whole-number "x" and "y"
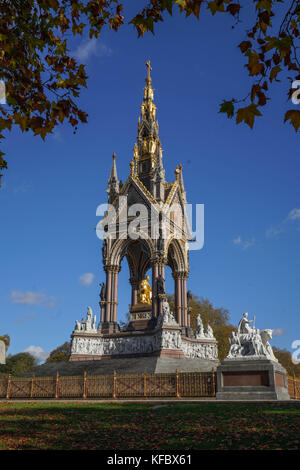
{"x": 294, "y": 387}
{"x": 187, "y": 384}
{"x": 196, "y": 384}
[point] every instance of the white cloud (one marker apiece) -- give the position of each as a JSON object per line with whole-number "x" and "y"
{"x": 248, "y": 243}
{"x": 237, "y": 241}
{"x": 36, "y": 351}
{"x": 273, "y": 232}
{"x": 244, "y": 244}
{"x": 89, "y": 48}
{"x": 86, "y": 279}
{"x": 27, "y": 298}
{"x": 278, "y": 332}
{"x": 31, "y": 298}
{"x": 294, "y": 214}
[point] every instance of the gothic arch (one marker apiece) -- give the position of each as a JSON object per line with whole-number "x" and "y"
{"x": 118, "y": 249}
{"x": 176, "y": 256}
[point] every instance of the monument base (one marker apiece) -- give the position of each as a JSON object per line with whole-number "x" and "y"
{"x": 251, "y": 379}
{"x": 123, "y": 366}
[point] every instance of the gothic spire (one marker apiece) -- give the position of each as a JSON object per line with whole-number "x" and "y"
{"x": 148, "y": 147}
{"x": 113, "y": 182}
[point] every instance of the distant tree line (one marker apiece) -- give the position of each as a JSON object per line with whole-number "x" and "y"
{"x": 17, "y": 364}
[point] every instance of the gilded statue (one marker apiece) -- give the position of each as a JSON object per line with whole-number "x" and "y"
{"x": 145, "y": 292}
{"x": 152, "y": 146}
{"x": 135, "y": 151}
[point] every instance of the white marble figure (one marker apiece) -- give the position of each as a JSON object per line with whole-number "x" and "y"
{"x": 88, "y": 325}
{"x": 243, "y": 326}
{"x": 199, "y": 328}
{"x": 202, "y": 332}
{"x": 250, "y": 342}
{"x": 209, "y": 332}
{"x": 166, "y": 318}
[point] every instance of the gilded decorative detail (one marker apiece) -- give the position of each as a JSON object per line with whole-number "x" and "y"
{"x": 144, "y": 189}
{"x": 171, "y": 193}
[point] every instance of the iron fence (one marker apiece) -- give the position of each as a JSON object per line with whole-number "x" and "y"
{"x": 193, "y": 384}
{"x": 294, "y": 387}
{"x": 198, "y": 384}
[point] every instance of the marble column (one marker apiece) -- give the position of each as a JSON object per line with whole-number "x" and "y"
{"x": 184, "y": 301}
{"x": 108, "y": 295}
{"x": 115, "y": 296}
{"x": 134, "y": 291}
{"x": 102, "y": 311}
{"x": 177, "y": 299}
{"x": 154, "y": 289}
{"x": 161, "y": 271}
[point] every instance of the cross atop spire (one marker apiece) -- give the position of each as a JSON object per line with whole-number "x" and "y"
{"x": 148, "y": 79}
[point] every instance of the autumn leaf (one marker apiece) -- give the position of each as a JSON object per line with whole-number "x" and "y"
{"x": 216, "y": 6}
{"x": 247, "y": 114}
{"x": 294, "y": 116}
{"x": 228, "y": 108}
{"x": 255, "y": 67}
{"x": 273, "y": 74}
{"x": 233, "y": 8}
{"x": 245, "y": 45}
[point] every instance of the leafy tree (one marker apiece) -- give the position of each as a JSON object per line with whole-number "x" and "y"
{"x": 285, "y": 359}
{"x": 218, "y": 318}
{"x": 62, "y": 353}
{"x": 42, "y": 78}
{"x": 18, "y": 363}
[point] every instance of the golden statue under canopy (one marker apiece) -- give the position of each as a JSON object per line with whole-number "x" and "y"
{"x": 145, "y": 292}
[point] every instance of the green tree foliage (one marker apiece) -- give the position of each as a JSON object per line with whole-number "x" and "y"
{"x": 6, "y": 340}
{"x": 61, "y": 353}
{"x": 218, "y": 318}
{"x": 285, "y": 359}
{"x": 43, "y": 80}
{"x": 18, "y": 363}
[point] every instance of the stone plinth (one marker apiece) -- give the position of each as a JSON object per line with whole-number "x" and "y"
{"x": 251, "y": 379}
{"x": 165, "y": 340}
{"x": 140, "y": 316}
{"x": 161, "y": 338}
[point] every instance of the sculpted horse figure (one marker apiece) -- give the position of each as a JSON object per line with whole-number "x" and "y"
{"x": 250, "y": 342}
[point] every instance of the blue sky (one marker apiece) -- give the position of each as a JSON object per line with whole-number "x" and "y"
{"x": 248, "y": 180}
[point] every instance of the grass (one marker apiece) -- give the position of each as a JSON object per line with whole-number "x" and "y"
{"x": 127, "y": 426}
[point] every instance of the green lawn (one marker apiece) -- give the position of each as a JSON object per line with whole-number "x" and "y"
{"x": 175, "y": 426}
